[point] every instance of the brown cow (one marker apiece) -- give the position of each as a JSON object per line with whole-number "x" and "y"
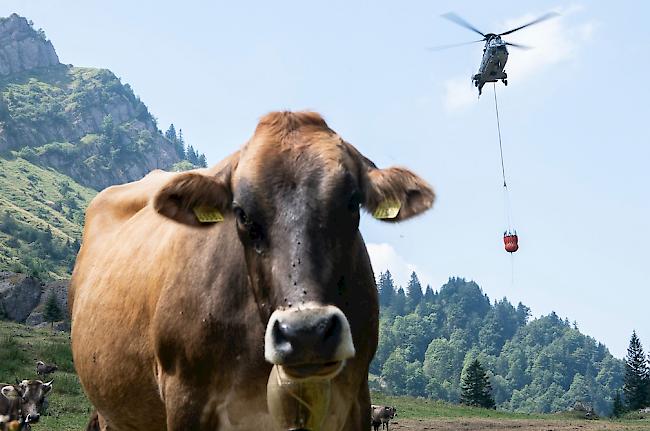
{"x": 381, "y": 416}
{"x": 10, "y": 402}
{"x": 34, "y": 393}
{"x": 176, "y": 324}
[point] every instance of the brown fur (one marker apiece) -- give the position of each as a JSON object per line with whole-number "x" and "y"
{"x": 174, "y": 315}
{"x": 11, "y": 406}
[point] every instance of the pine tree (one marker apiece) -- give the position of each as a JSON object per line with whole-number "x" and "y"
{"x": 52, "y": 313}
{"x": 171, "y": 134}
{"x": 429, "y": 295}
{"x": 174, "y": 139}
{"x": 413, "y": 292}
{"x": 386, "y": 289}
{"x": 619, "y": 408}
{"x": 399, "y": 302}
{"x": 203, "y": 163}
{"x": 476, "y": 389}
{"x": 181, "y": 145}
{"x": 636, "y": 383}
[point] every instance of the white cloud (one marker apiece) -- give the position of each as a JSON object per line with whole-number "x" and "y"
{"x": 384, "y": 257}
{"x": 459, "y": 93}
{"x": 554, "y": 42}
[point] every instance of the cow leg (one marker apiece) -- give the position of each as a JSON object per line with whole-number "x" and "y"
{"x": 185, "y": 404}
{"x": 97, "y": 423}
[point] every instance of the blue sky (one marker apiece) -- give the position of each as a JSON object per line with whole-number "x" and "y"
{"x": 574, "y": 124}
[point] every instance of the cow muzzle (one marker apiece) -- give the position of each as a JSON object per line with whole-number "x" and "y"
{"x": 312, "y": 341}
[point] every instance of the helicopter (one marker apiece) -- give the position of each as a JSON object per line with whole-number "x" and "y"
{"x": 495, "y": 53}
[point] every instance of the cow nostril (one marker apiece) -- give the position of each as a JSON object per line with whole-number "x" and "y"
{"x": 332, "y": 328}
{"x": 282, "y": 334}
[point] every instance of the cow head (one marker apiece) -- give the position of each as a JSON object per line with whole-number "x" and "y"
{"x": 33, "y": 393}
{"x": 294, "y": 193}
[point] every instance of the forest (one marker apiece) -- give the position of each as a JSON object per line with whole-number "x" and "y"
{"x": 428, "y": 338}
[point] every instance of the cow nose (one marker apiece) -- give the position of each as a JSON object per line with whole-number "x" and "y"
{"x": 319, "y": 336}
{"x": 314, "y": 335}
{"x": 33, "y": 418}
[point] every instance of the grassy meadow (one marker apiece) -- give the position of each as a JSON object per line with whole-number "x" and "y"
{"x": 21, "y": 346}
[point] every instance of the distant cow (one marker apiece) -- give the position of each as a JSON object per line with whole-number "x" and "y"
{"x": 189, "y": 287}
{"x": 11, "y": 425}
{"x": 34, "y": 393}
{"x": 381, "y": 415}
{"x": 10, "y": 402}
{"x": 43, "y": 369}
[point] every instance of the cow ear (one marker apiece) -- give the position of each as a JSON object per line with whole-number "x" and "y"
{"x": 47, "y": 387}
{"x": 194, "y": 198}
{"x": 395, "y": 194}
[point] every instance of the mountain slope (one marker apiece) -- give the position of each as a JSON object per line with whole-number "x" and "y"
{"x": 41, "y": 218}
{"x": 65, "y": 132}
{"x": 83, "y": 122}
{"x": 544, "y": 365}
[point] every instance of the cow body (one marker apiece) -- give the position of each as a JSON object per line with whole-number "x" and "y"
{"x": 381, "y": 416}
{"x": 169, "y": 316}
{"x": 10, "y": 402}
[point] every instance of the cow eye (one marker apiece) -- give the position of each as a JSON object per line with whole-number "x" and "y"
{"x": 355, "y": 201}
{"x": 240, "y": 215}
{"x": 254, "y": 230}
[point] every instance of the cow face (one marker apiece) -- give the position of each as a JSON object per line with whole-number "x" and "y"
{"x": 294, "y": 194}
{"x": 33, "y": 393}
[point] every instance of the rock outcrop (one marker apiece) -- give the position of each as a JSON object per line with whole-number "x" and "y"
{"x": 19, "y": 295}
{"x": 23, "y": 48}
{"x": 82, "y": 122}
{"x": 23, "y": 298}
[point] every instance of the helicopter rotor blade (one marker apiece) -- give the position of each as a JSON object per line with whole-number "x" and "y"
{"x": 536, "y": 21}
{"x": 461, "y": 22}
{"x": 516, "y": 45}
{"x": 453, "y": 45}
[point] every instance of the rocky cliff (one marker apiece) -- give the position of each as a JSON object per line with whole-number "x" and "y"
{"x": 83, "y": 122}
{"x": 22, "y": 48}
{"x": 22, "y": 299}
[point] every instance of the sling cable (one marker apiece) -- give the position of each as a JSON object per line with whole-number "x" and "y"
{"x": 510, "y": 238}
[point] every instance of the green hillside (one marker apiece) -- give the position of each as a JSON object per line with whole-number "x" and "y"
{"x": 65, "y": 133}
{"x": 69, "y": 409}
{"x": 84, "y": 123}
{"x": 545, "y": 365}
{"x": 41, "y": 219}
{"x": 20, "y": 347}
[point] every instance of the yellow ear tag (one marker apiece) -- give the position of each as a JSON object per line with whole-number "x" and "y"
{"x": 387, "y": 209}
{"x": 207, "y": 214}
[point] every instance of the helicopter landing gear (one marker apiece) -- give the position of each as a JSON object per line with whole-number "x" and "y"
{"x": 505, "y": 82}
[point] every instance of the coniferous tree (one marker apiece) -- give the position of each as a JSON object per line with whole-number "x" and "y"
{"x": 635, "y": 385}
{"x": 399, "y": 302}
{"x": 618, "y": 408}
{"x": 476, "y": 389}
{"x": 171, "y": 133}
{"x": 429, "y": 295}
{"x": 202, "y": 161}
{"x": 386, "y": 289}
{"x": 413, "y": 292}
{"x": 52, "y": 313}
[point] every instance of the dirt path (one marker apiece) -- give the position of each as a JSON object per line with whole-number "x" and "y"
{"x": 476, "y": 424}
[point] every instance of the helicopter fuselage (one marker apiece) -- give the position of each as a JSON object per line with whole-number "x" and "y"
{"x": 495, "y": 56}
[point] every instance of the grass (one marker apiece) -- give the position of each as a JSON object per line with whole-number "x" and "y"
{"x": 20, "y": 347}
{"x": 40, "y": 199}
{"x": 419, "y": 408}
{"x": 69, "y": 409}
